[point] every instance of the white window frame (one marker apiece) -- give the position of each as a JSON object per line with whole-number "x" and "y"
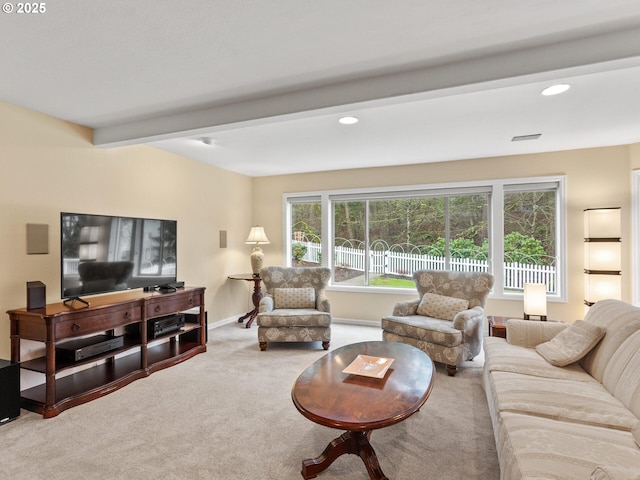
{"x": 496, "y": 217}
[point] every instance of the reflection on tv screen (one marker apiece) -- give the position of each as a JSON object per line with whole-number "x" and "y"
{"x": 102, "y": 253}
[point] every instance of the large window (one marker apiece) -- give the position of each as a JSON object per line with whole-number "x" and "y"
{"x": 377, "y": 239}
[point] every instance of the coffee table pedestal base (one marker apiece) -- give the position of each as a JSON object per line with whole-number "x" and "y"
{"x": 356, "y": 443}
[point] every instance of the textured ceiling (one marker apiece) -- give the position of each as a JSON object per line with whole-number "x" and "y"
{"x": 267, "y": 80}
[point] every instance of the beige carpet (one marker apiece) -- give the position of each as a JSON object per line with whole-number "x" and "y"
{"x": 228, "y": 414}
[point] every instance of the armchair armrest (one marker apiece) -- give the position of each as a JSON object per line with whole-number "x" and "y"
{"x": 322, "y": 303}
{"x": 529, "y": 333}
{"x": 463, "y": 320}
{"x": 404, "y": 309}
{"x": 266, "y": 304}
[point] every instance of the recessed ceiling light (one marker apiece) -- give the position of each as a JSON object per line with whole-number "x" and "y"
{"x": 556, "y": 89}
{"x": 207, "y": 140}
{"x": 348, "y": 120}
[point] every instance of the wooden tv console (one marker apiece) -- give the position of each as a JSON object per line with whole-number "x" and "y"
{"x": 125, "y": 314}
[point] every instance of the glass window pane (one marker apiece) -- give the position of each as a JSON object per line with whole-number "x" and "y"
{"x": 306, "y": 234}
{"x": 530, "y": 239}
{"x": 469, "y": 233}
{"x": 349, "y": 260}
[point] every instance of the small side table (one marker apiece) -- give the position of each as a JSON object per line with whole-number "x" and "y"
{"x": 255, "y": 297}
{"x": 497, "y": 326}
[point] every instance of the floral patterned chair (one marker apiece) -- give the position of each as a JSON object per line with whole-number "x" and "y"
{"x": 294, "y": 307}
{"x": 447, "y": 319}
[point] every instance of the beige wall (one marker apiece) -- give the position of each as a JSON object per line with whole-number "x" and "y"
{"x": 49, "y": 166}
{"x": 599, "y": 177}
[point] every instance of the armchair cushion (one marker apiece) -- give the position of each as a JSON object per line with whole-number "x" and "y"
{"x": 294, "y": 297}
{"x": 441, "y": 306}
{"x": 571, "y": 344}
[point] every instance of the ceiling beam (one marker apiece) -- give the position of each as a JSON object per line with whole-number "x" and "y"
{"x": 592, "y": 54}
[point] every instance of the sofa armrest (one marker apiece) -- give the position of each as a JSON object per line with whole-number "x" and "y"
{"x": 322, "y": 304}
{"x": 266, "y": 304}
{"x": 530, "y": 333}
{"x": 404, "y": 309}
{"x": 465, "y": 318}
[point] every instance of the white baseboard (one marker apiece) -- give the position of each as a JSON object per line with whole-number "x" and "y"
{"x": 349, "y": 321}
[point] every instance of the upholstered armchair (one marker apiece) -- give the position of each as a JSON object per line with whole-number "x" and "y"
{"x": 447, "y": 319}
{"x": 294, "y": 307}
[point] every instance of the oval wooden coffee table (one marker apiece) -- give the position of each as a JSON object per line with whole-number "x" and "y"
{"x": 358, "y": 403}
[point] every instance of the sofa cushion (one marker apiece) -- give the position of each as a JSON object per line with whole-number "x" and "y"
{"x": 301, "y": 317}
{"x": 571, "y": 344}
{"x": 568, "y": 400}
{"x": 441, "y": 306}
{"x": 425, "y": 329}
{"x": 542, "y": 448}
{"x": 294, "y": 297}
{"x": 504, "y": 357}
{"x": 636, "y": 433}
{"x": 622, "y": 374}
{"x": 527, "y": 333}
{"x": 621, "y": 320}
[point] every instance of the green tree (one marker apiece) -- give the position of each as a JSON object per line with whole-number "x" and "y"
{"x": 524, "y": 249}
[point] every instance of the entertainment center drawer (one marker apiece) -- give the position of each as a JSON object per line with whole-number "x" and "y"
{"x": 172, "y": 303}
{"x": 97, "y": 320}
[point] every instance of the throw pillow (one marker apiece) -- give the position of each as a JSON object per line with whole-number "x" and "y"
{"x": 294, "y": 297}
{"x": 441, "y": 306}
{"x": 571, "y": 344}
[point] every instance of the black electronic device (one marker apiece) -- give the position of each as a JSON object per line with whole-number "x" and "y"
{"x": 9, "y": 391}
{"x": 156, "y": 327}
{"x": 101, "y": 253}
{"x": 36, "y": 295}
{"x": 163, "y": 325}
{"x": 87, "y": 347}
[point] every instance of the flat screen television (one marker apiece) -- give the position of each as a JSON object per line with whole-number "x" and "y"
{"x": 102, "y": 253}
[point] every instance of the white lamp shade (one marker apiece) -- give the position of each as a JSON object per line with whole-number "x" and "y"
{"x": 257, "y": 236}
{"x": 602, "y": 223}
{"x": 535, "y": 299}
{"x": 603, "y": 256}
{"x": 602, "y": 287}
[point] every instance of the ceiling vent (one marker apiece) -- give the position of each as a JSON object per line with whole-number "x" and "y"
{"x": 522, "y": 138}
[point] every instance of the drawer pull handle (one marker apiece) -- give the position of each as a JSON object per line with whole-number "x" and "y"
{"x": 191, "y": 301}
{"x": 127, "y": 315}
{"x": 158, "y": 308}
{"x": 75, "y": 327}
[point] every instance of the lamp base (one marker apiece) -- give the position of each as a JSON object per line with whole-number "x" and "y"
{"x": 257, "y": 258}
{"x": 543, "y": 318}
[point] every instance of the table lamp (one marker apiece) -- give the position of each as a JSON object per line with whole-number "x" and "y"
{"x": 535, "y": 300}
{"x": 257, "y": 237}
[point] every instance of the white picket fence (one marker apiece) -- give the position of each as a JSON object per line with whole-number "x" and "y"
{"x": 389, "y": 262}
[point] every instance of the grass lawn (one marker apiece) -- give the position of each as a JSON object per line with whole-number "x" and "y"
{"x": 391, "y": 282}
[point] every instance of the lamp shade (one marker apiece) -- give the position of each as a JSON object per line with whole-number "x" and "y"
{"x": 257, "y": 236}
{"x": 601, "y": 287}
{"x": 535, "y": 299}
{"x": 602, "y": 223}
{"x": 603, "y": 256}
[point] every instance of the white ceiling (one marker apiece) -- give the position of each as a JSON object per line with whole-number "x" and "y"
{"x": 267, "y": 80}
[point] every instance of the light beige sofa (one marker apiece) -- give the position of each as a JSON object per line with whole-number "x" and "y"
{"x": 579, "y": 421}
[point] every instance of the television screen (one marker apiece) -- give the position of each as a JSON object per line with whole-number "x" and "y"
{"x": 101, "y": 253}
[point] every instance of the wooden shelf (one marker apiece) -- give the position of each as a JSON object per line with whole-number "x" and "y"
{"x": 137, "y": 358}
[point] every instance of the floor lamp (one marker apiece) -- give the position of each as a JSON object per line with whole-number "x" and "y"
{"x": 602, "y": 254}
